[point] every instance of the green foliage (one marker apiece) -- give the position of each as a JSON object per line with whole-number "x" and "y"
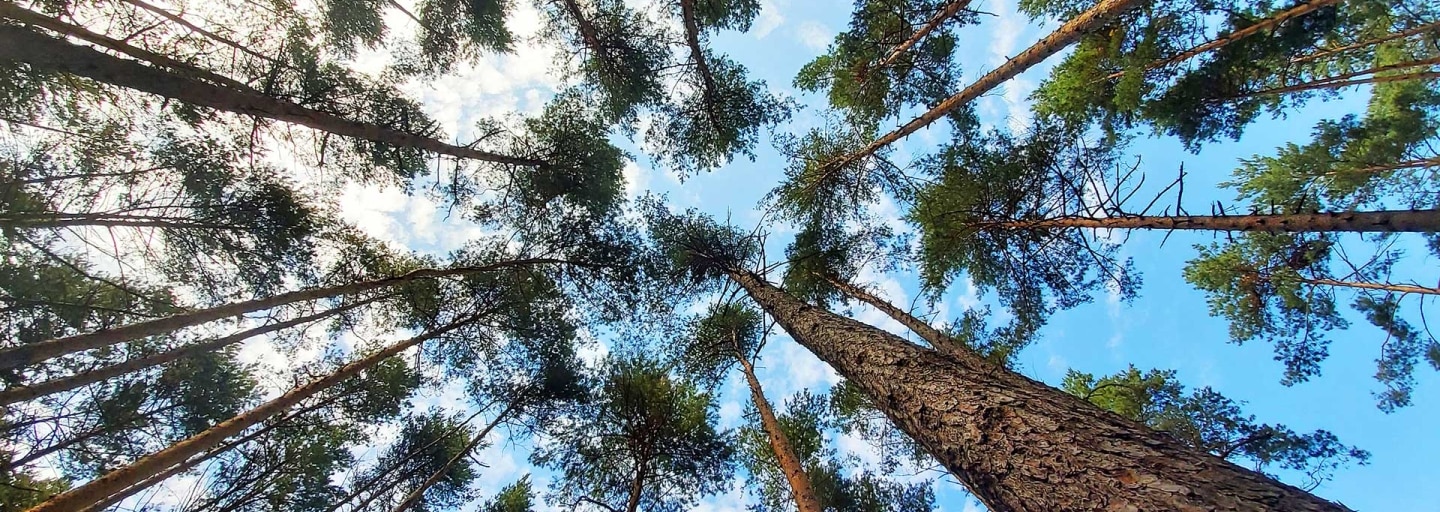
{"x": 693, "y": 246}
{"x": 515, "y": 497}
{"x": 20, "y": 491}
{"x": 582, "y": 167}
{"x": 620, "y": 53}
{"x": 726, "y": 332}
{"x": 645, "y": 427}
{"x": 726, "y": 14}
{"x": 459, "y": 30}
{"x": 719, "y": 120}
{"x": 1035, "y": 271}
{"x": 856, "y": 414}
{"x": 352, "y": 24}
{"x": 1207, "y": 420}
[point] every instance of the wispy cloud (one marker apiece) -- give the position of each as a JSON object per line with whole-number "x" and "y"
{"x": 814, "y": 35}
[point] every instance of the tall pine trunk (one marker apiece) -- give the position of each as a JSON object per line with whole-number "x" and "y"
{"x": 149, "y": 465}
{"x": 1058, "y": 40}
{"x": 1018, "y": 444}
{"x": 697, "y": 54}
{"x": 1384, "y": 287}
{"x": 60, "y": 385}
{"x": 414, "y": 497}
{"x": 1393, "y": 221}
{"x": 44, "y": 52}
{"x": 935, "y": 22}
{"x": 23, "y": 355}
{"x": 790, "y": 466}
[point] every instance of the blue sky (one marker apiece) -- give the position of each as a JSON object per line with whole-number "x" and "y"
{"x": 1166, "y": 328}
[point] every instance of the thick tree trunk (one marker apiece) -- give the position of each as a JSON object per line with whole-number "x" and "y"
{"x": 1018, "y": 444}
{"x": 1394, "y": 221}
{"x": 149, "y": 465}
{"x": 800, "y": 489}
{"x": 49, "y": 387}
{"x": 45, "y": 52}
{"x": 15, "y": 357}
{"x": 945, "y": 13}
{"x": 1058, "y": 40}
{"x": 697, "y": 54}
{"x": 414, "y": 497}
{"x": 937, "y": 340}
{"x": 1220, "y": 42}
{"x": 23, "y": 15}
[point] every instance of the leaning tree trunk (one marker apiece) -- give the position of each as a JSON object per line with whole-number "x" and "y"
{"x": 1428, "y": 27}
{"x": 121, "y": 479}
{"x": 800, "y": 489}
{"x": 1058, "y": 40}
{"x": 697, "y": 54}
{"x": 1018, "y": 444}
{"x": 23, "y": 355}
{"x": 414, "y": 497}
{"x": 370, "y": 483}
{"x": 44, "y": 52}
{"x": 937, "y": 340}
{"x": 50, "y": 387}
{"x": 1395, "y": 221}
{"x": 940, "y": 18}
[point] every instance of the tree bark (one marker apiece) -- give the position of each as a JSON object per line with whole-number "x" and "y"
{"x": 697, "y": 54}
{"x": 1390, "y": 221}
{"x": 45, "y": 52}
{"x": 1219, "y": 42}
{"x": 122, "y": 478}
{"x": 1387, "y": 287}
{"x": 790, "y": 466}
{"x": 937, "y": 340}
{"x": 50, "y": 387}
{"x": 637, "y": 488}
{"x": 1018, "y": 444}
{"x": 1058, "y": 40}
{"x": 26, "y": 220}
{"x": 23, "y": 15}
{"x": 1428, "y": 27}
{"x": 15, "y": 357}
{"x": 414, "y": 497}
{"x": 945, "y": 13}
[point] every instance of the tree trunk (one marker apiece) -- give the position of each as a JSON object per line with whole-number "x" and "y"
{"x": 371, "y": 482}
{"x": 15, "y": 357}
{"x": 1018, "y": 444}
{"x": 1428, "y": 27}
{"x": 1036, "y": 53}
{"x": 790, "y": 466}
{"x": 45, "y": 52}
{"x": 937, "y": 340}
{"x": 1219, "y": 42}
{"x": 49, "y": 387}
{"x": 23, "y": 15}
{"x": 414, "y": 497}
{"x": 28, "y": 220}
{"x": 1334, "y": 83}
{"x": 120, "y": 479}
{"x": 192, "y": 27}
{"x": 1387, "y": 287}
{"x": 1393, "y": 221}
{"x": 945, "y": 13}
{"x": 637, "y": 487}
{"x": 697, "y": 54}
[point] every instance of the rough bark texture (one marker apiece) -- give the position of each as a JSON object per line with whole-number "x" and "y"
{"x": 1394, "y": 221}
{"x": 800, "y": 490}
{"x": 939, "y": 19}
{"x": 937, "y": 340}
{"x": 414, "y": 497}
{"x": 23, "y": 355}
{"x": 1018, "y": 444}
{"x": 1219, "y": 42}
{"x": 30, "y": 392}
{"x": 1062, "y": 37}
{"x": 45, "y": 52}
{"x": 149, "y": 465}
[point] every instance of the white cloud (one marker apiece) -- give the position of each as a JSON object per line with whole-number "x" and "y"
{"x": 814, "y": 35}
{"x": 768, "y": 20}
{"x": 637, "y": 179}
{"x": 969, "y": 297}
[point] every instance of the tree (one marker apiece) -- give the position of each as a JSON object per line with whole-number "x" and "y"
{"x": 515, "y": 497}
{"x": 646, "y": 441}
{"x": 618, "y": 51}
{"x": 1207, "y": 420}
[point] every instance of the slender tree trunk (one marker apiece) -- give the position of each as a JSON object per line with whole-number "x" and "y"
{"x": 1219, "y": 42}
{"x": 1428, "y": 27}
{"x": 1058, "y": 40}
{"x": 370, "y": 483}
{"x": 1332, "y": 83}
{"x": 119, "y": 479}
{"x": 937, "y": 340}
{"x": 23, "y": 15}
{"x": 1387, "y": 287}
{"x": 194, "y": 28}
{"x": 15, "y": 357}
{"x": 940, "y": 18}
{"x": 589, "y": 35}
{"x": 74, "y": 220}
{"x": 800, "y": 489}
{"x": 45, "y": 52}
{"x": 414, "y": 497}
{"x": 637, "y": 488}
{"x": 1392, "y": 221}
{"x": 1018, "y": 444}
{"x": 697, "y": 54}
{"x": 50, "y": 387}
